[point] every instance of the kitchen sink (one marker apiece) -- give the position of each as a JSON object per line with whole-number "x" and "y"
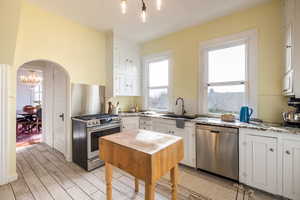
{"x": 179, "y": 116}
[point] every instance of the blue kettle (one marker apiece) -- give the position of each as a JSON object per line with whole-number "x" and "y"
{"x": 245, "y": 114}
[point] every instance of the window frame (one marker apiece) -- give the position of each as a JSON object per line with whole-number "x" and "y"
{"x": 146, "y": 88}
{"x": 249, "y": 38}
{"x": 39, "y": 92}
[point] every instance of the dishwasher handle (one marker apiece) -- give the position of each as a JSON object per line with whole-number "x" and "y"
{"x": 214, "y": 131}
{"x": 217, "y": 129}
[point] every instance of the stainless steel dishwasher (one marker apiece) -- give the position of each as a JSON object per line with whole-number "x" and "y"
{"x": 217, "y": 150}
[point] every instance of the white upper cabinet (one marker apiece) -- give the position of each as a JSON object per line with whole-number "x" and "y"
{"x": 291, "y": 48}
{"x": 291, "y": 169}
{"x": 123, "y": 67}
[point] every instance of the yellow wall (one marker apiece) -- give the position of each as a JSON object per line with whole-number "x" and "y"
{"x": 184, "y": 45}
{"x": 79, "y": 49}
{"x": 9, "y": 20}
{"x": 46, "y": 36}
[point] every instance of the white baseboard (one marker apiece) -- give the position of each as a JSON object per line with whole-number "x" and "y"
{"x": 12, "y": 178}
{"x": 9, "y": 179}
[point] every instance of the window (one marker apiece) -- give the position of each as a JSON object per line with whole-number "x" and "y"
{"x": 37, "y": 94}
{"x": 228, "y": 82}
{"x": 157, "y": 89}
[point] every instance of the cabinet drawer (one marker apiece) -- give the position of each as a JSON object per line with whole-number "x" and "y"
{"x": 145, "y": 122}
{"x": 126, "y": 120}
{"x": 146, "y": 127}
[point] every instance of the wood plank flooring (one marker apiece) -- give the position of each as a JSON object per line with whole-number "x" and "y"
{"x": 44, "y": 174}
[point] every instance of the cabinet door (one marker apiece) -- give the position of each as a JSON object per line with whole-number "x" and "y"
{"x": 289, "y": 11}
{"x": 161, "y": 128}
{"x": 262, "y": 163}
{"x": 182, "y": 133}
{"x": 291, "y": 169}
{"x": 288, "y": 83}
{"x": 130, "y": 123}
{"x": 288, "y": 47}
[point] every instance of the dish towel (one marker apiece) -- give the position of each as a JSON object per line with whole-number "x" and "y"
{"x": 180, "y": 123}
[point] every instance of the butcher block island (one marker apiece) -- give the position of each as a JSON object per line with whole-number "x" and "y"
{"x": 146, "y": 155}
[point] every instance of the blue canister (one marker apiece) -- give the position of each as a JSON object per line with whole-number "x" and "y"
{"x": 245, "y": 114}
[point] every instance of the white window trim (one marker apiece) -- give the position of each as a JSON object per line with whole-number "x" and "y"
{"x": 146, "y": 61}
{"x": 248, "y": 37}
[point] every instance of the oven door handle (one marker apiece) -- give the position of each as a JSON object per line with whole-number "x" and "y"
{"x": 94, "y": 129}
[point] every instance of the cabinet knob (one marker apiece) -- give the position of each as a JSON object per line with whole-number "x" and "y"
{"x": 288, "y": 152}
{"x": 271, "y": 149}
{"x": 288, "y": 46}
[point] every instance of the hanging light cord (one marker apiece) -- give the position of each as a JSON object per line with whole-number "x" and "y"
{"x": 144, "y": 8}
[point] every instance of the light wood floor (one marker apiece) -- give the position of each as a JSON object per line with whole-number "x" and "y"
{"x": 44, "y": 174}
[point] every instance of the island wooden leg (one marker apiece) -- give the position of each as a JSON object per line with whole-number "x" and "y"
{"x": 174, "y": 180}
{"x": 149, "y": 191}
{"x": 136, "y": 183}
{"x": 108, "y": 178}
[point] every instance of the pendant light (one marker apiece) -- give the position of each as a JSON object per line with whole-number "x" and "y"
{"x": 32, "y": 79}
{"x": 144, "y": 14}
{"x": 158, "y": 4}
{"x": 123, "y": 5}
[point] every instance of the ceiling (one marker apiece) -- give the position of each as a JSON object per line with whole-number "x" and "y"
{"x": 175, "y": 15}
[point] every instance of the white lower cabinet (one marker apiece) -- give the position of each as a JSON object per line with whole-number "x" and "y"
{"x": 146, "y": 123}
{"x": 187, "y": 134}
{"x": 291, "y": 169}
{"x": 130, "y": 123}
{"x": 270, "y": 161}
{"x": 261, "y": 163}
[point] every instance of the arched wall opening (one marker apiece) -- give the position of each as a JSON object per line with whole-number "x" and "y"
{"x": 56, "y": 114}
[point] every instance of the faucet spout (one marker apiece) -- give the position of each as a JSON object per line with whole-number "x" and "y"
{"x": 182, "y": 105}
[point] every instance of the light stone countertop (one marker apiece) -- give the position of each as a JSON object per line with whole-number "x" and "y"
{"x": 218, "y": 122}
{"x": 251, "y": 125}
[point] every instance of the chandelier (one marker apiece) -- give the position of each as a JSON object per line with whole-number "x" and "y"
{"x": 32, "y": 79}
{"x": 144, "y": 8}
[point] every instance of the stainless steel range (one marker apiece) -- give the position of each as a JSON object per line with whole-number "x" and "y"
{"x": 86, "y": 133}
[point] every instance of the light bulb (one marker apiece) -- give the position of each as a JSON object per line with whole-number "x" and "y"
{"x": 158, "y": 4}
{"x": 123, "y": 6}
{"x": 144, "y": 15}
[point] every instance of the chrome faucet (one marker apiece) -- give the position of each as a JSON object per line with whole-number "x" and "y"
{"x": 182, "y": 105}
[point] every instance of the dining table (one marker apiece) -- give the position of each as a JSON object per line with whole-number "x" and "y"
{"x": 146, "y": 155}
{"x": 25, "y": 114}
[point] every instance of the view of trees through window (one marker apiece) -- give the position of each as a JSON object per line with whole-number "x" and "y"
{"x": 226, "y": 79}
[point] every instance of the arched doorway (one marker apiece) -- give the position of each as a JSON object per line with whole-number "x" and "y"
{"x": 52, "y": 98}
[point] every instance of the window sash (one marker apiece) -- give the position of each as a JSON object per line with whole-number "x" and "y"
{"x": 218, "y": 114}
{"x": 147, "y": 87}
{"x": 226, "y": 83}
{"x": 148, "y": 96}
{"x": 250, "y": 39}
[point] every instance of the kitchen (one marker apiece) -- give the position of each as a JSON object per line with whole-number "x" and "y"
{"x": 176, "y": 84}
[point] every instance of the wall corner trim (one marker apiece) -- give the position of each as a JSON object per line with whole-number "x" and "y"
{"x": 4, "y": 124}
